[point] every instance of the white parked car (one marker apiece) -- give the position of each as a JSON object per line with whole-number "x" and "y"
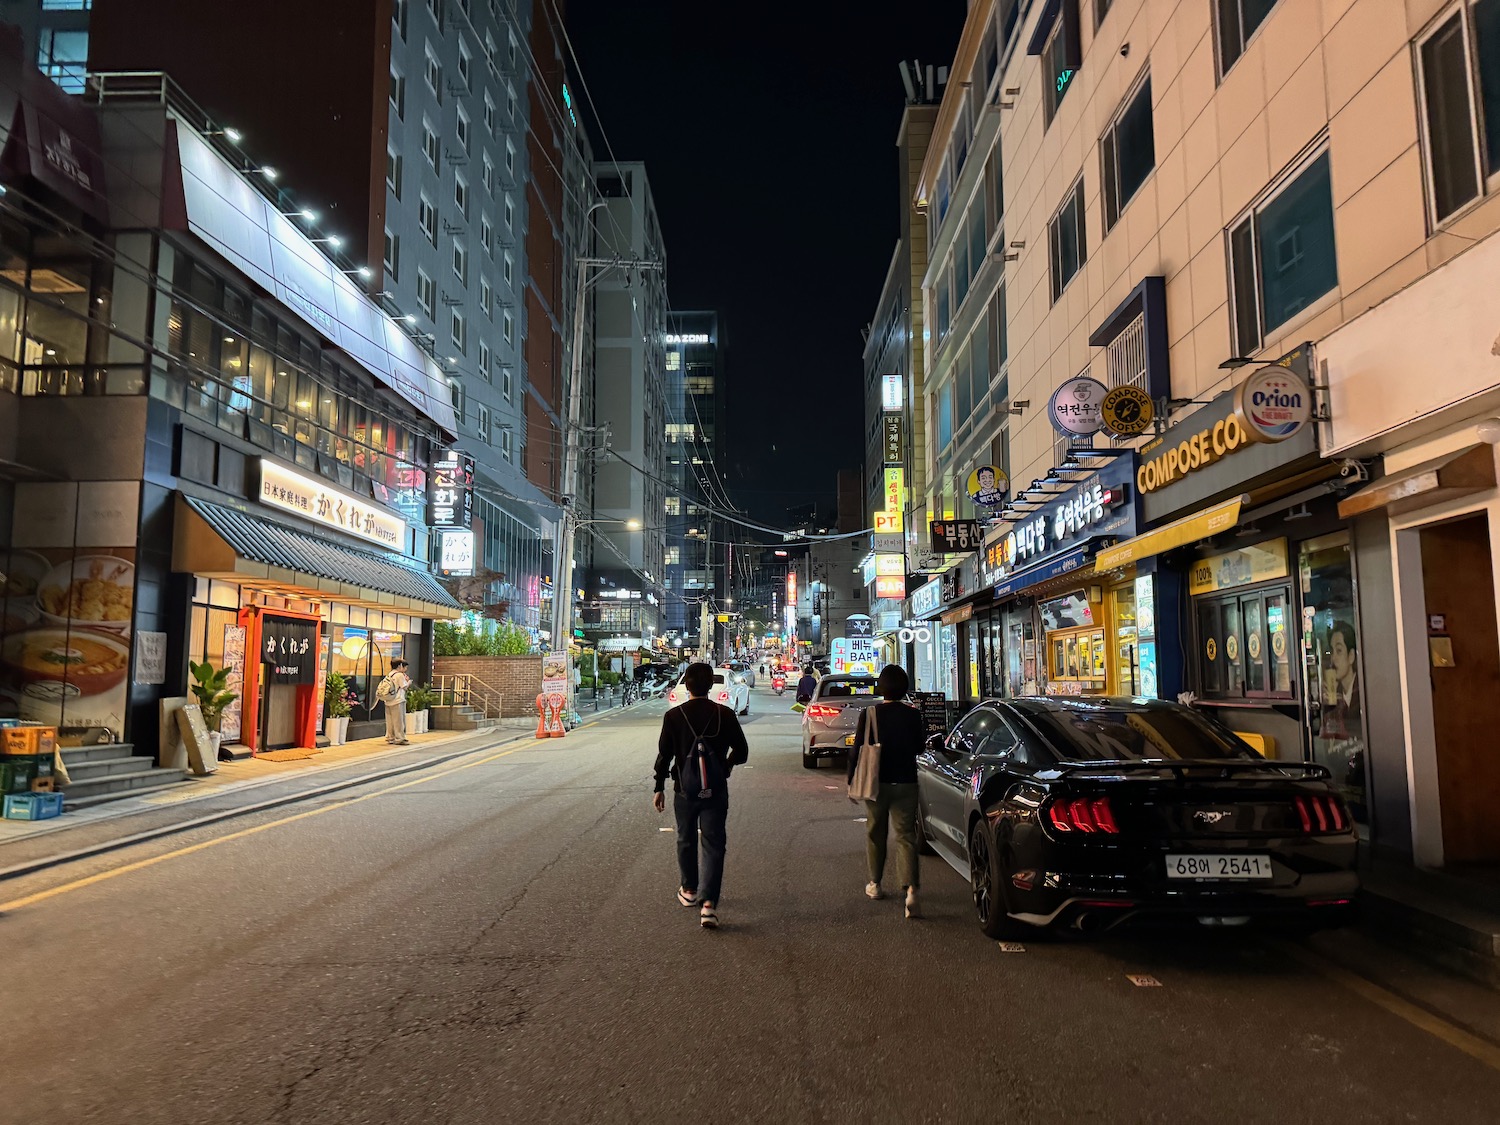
{"x": 728, "y": 689}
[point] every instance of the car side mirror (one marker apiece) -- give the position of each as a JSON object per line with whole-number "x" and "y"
{"x": 937, "y": 744}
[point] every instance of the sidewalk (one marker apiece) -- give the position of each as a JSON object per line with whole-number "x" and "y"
{"x": 238, "y": 787}
{"x": 1449, "y": 919}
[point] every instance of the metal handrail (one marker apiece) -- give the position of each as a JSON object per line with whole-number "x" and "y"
{"x": 461, "y": 690}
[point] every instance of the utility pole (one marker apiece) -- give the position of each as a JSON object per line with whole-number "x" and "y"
{"x": 562, "y": 586}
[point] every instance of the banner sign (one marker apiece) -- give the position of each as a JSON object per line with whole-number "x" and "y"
{"x": 456, "y": 552}
{"x": 288, "y": 650}
{"x": 952, "y": 536}
{"x": 895, "y": 438}
{"x": 450, "y": 490}
{"x": 1260, "y": 563}
{"x": 988, "y": 486}
{"x": 1077, "y": 407}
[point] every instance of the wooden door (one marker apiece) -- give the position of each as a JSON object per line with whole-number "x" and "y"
{"x": 1458, "y": 581}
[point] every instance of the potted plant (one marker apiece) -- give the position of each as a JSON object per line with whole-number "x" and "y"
{"x": 338, "y": 702}
{"x": 418, "y": 699}
{"x": 210, "y": 690}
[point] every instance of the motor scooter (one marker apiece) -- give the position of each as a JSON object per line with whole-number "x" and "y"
{"x": 778, "y": 683}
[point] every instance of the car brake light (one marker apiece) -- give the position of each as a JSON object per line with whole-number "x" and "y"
{"x": 724, "y": 696}
{"x": 1083, "y": 814}
{"x": 1321, "y": 815}
{"x": 822, "y": 710}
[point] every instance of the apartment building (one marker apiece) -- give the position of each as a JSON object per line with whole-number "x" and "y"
{"x": 1224, "y": 205}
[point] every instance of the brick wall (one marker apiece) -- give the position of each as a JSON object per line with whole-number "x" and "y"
{"x": 517, "y": 678}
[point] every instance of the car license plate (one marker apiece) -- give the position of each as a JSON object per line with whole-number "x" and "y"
{"x": 1218, "y": 866}
{"x": 848, "y": 740}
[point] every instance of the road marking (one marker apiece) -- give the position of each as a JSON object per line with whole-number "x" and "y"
{"x": 1012, "y": 947}
{"x": 138, "y": 865}
{"x": 1143, "y": 980}
{"x": 1451, "y": 1034}
{"x": 666, "y": 830}
{"x": 861, "y": 820}
{"x": 834, "y": 787}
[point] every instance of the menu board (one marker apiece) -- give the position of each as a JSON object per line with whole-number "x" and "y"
{"x": 934, "y": 708}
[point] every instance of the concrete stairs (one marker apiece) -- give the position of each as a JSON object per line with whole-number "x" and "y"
{"x": 110, "y": 772}
{"x": 461, "y": 717}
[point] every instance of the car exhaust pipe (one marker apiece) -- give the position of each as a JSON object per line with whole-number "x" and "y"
{"x": 1087, "y": 923}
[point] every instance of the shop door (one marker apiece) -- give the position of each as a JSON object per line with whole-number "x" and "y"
{"x": 1458, "y": 582}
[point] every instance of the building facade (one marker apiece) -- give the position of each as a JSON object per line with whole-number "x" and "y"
{"x": 1237, "y": 210}
{"x": 215, "y": 445}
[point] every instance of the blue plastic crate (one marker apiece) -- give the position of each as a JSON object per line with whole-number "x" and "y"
{"x": 33, "y": 806}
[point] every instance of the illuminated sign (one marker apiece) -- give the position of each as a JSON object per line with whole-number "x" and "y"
{"x": 927, "y": 598}
{"x": 791, "y": 589}
{"x": 890, "y": 586}
{"x": 895, "y": 438}
{"x": 1192, "y": 453}
{"x": 456, "y": 552}
{"x": 567, "y": 96}
{"x": 686, "y": 338}
{"x": 892, "y": 394}
{"x": 317, "y": 501}
{"x": 1099, "y": 506}
{"x": 890, "y": 564}
{"x": 450, "y": 490}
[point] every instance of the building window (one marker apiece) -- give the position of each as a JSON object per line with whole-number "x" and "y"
{"x": 510, "y": 159}
{"x": 392, "y": 256}
{"x": 1128, "y": 153}
{"x": 426, "y": 294}
{"x": 1238, "y": 22}
{"x": 398, "y": 17}
{"x": 505, "y": 387}
{"x": 507, "y": 450}
{"x": 1066, "y": 236}
{"x": 462, "y": 132}
{"x": 461, "y": 261}
{"x": 456, "y": 396}
{"x": 398, "y": 93}
{"x": 512, "y": 51}
{"x": 484, "y": 362}
{"x": 427, "y": 218}
{"x": 465, "y": 62}
{"x": 489, "y": 49}
{"x": 1460, "y": 73}
{"x": 1281, "y": 255}
{"x": 393, "y": 171}
{"x": 430, "y": 147}
{"x": 1242, "y": 644}
{"x": 434, "y": 74}
{"x": 486, "y": 234}
{"x": 484, "y": 424}
{"x": 672, "y": 557}
{"x": 1057, "y": 73}
{"x": 485, "y": 299}
{"x": 508, "y": 328}
{"x": 510, "y": 101}
{"x": 1101, "y": 9}
{"x": 63, "y": 57}
{"x": 510, "y": 215}
{"x": 510, "y": 270}
{"x": 461, "y": 195}
{"x": 489, "y": 114}
{"x": 674, "y": 506}
{"x": 488, "y": 175}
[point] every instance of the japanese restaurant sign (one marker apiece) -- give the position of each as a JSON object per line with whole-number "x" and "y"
{"x": 288, "y": 649}
{"x": 450, "y": 490}
{"x": 315, "y": 500}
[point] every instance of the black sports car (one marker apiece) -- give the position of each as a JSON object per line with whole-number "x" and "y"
{"x": 1095, "y": 812}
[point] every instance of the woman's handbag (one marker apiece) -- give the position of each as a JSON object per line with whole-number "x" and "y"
{"x": 866, "y": 783}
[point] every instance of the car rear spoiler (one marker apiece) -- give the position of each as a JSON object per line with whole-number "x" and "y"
{"x": 1182, "y": 768}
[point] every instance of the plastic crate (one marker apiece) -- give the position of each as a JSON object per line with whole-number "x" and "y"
{"x": 33, "y": 806}
{"x": 27, "y": 741}
{"x": 17, "y": 774}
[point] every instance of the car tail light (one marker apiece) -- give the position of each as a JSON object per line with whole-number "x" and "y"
{"x": 723, "y": 697}
{"x": 1321, "y": 815}
{"x": 1083, "y": 814}
{"x": 822, "y": 710}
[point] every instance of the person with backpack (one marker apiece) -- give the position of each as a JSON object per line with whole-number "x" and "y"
{"x": 391, "y": 692}
{"x": 701, "y": 742}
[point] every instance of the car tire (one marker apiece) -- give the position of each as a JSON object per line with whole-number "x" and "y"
{"x": 809, "y": 762}
{"x": 987, "y": 882}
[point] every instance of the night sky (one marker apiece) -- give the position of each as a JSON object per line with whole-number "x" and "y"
{"x": 768, "y": 133}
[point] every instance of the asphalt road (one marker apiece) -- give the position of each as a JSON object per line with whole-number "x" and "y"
{"x": 497, "y": 940}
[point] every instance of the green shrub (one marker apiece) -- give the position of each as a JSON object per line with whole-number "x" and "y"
{"x": 507, "y": 639}
{"x": 419, "y": 697}
{"x": 209, "y": 689}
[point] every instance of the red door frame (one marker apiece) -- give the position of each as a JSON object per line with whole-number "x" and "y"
{"x": 306, "y": 721}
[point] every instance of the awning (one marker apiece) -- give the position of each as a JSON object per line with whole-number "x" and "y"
{"x": 218, "y": 542}
{"x": 1191, "y": 529}
{"x": 1467, "y": 471}
{"x": 1075, "y": 559}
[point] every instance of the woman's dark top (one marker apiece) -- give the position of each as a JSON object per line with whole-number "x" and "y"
{"x": 719, "y": 728}
{"x": 901, "y": 734}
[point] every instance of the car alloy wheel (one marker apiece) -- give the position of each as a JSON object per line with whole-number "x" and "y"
{"x": 985, "y": 879}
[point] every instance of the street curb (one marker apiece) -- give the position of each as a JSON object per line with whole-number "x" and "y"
{"x": 60, "y": 858}
{"x": 32, "y": 866}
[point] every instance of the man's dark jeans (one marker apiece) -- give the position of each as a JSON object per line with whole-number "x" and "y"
{"x": 706, "y": 817}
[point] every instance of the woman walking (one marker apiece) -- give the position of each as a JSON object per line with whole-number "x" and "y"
{"x": 899, "y": 732}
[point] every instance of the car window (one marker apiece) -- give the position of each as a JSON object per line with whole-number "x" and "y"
{"x": 718, "y": 677}
{"x": 828, "y": 688}
{"x": 1113, "y": 732}
{"x": 970, "y": 734}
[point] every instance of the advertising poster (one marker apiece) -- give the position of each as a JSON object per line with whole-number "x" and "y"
{"x": 69, "y": 604}
{"x": 555, "y": 673}
{"x": 234, "y": 660}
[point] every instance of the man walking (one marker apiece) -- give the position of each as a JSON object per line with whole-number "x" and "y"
{"x": 392, "y": 693}
{"x": 701, "y": 742}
